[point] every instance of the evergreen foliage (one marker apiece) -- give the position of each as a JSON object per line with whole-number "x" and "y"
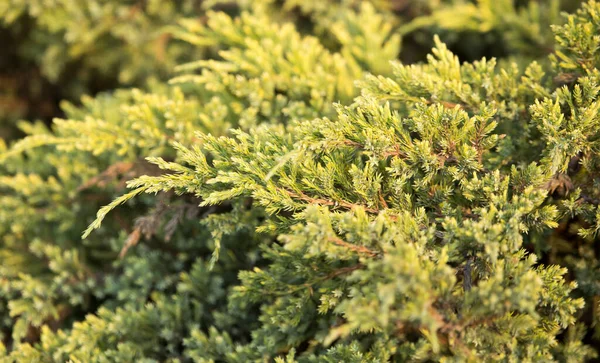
{"x": 299, "y": 194}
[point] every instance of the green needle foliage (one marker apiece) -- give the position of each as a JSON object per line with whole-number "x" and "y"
{"x": 299, "y": 194}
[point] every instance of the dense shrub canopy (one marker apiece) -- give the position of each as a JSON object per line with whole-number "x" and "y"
{"x": 301, "y": 181}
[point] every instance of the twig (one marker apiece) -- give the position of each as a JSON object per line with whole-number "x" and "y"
{"x": 350, "y": 246}
{"x": 331, "y": 203}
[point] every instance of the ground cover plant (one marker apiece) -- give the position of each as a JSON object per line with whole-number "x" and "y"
{"x": 300, "y": 181}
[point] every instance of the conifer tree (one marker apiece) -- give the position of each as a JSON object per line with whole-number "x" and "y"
{"x": 300, "y": 194}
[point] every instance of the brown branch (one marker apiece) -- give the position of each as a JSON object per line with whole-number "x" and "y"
{"x": 343, "y": 271}
{"x": 132, "y": 240}
{"x": 450, "y": 104}
{"x": 448, "y": 331}
{"x": 110, "y": 173}
{"x": 448, "y": 327}
{"x": 395, "y": 152}
{"x": 382, "y": 200}
{"x": 160, "y": 46}
{"x": 352, "y": 247}
{"x": 353, "y": 143}
{"x": 321, "y": 201}
{"x": 334, "y": 274}
{"x": 446, "y": 104}
{"x": 135, "y": 9}
{"x": 121, "y": 172}
{"x": 309, "y": 285}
